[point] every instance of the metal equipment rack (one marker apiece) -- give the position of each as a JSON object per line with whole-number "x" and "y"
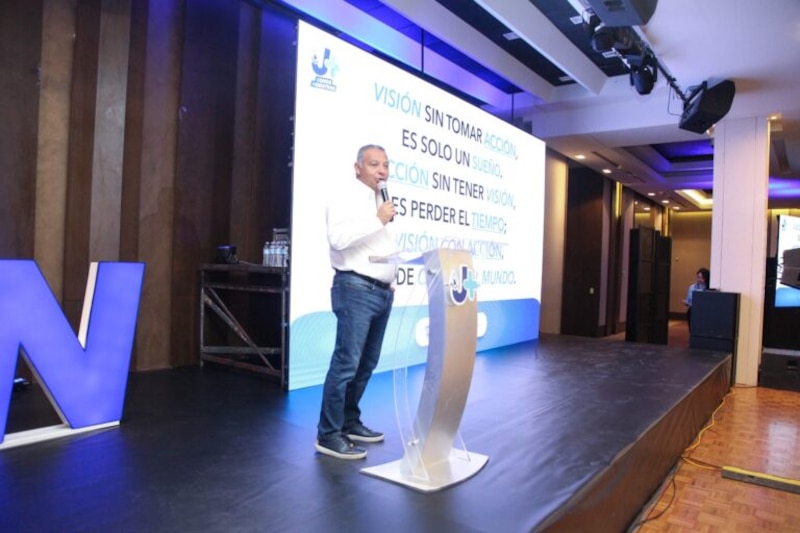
{"x": 219, "y": 279}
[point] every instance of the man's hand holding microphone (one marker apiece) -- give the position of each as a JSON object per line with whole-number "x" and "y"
{"x": 386, "y": 211}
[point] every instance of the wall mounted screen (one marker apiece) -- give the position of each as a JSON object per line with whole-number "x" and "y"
{"x": 458, "y": 176}
{"x": 787, "y": 286}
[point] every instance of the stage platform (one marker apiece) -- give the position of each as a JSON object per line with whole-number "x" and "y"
{"x": 579, "y": 433}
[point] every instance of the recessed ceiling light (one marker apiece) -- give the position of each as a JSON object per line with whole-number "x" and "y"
{"x": 664, "y": 201}
{"x": 606, "y": 171}
{"x": 647, "y": 209}
{"x": 511, "y": 36}
{"x": 580, "y": 156}
{"x": 651, "y": 194}
{"x": 697, "y": 197}
{"x": 676, "y": 207}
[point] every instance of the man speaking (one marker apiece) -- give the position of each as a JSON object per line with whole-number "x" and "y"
{"x": 358, "y": 223}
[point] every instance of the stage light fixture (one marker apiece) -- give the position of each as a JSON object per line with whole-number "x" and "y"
{"x": 601, "y": 36}
{"x": 644, "y": 72}
{"x": 605, "y": 38}
{"x": 703, "y": 105}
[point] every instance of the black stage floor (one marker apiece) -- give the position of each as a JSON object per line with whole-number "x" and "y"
{"x": 579, "y": 434}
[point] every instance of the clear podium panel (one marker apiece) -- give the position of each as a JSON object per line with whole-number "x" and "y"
{"x": 434, "y": 453}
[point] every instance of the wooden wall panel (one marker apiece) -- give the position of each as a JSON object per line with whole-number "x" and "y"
{"x": 204, "y": 158}
{"x": 51, "y": 160}
{"x": 233, "y": 179}
{"x": 96, "y": 141}
{"x": 616, "y": 250}
{"x": 244, "y": 202}
{"x": 20, "y": 42}
{"x": 134, "y": 133}
{"x": 175, "y": 136}
{"x": 83, "y": 105}
{"x": 275, "y": 126}
{"x": 109, "y": 134}
{"x": 582, "y": 254}
{"x": 149, "y": 170}
{"x": 261, "y": 177}
{"x": 271, "y": 177}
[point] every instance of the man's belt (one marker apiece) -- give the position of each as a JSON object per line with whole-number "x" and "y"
{"x": 378, "y": 283}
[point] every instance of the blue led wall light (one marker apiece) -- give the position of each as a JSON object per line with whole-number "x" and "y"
{"x": 84, "y": 376}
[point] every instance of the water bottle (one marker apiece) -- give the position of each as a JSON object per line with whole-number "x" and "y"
{"x": 284, "y": 255}
{"x": 273, "y": 254}
{"x": 265, "y": 254}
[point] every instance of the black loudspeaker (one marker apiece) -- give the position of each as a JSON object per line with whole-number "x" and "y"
{"x": 779, "y": 369}
{"x": 715, "y": 323}
{"x": 715, "y": 315}
{"x": 623, "y": 12}
{"x": 707, "y": 106}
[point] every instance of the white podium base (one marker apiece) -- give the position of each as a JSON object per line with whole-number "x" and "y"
{"x": 456, "y": 469}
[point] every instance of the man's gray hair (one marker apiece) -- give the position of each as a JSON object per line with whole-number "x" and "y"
{"x": 360, "y": 156}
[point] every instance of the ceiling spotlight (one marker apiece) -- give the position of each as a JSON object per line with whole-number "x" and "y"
{"x": 602, "y": 36}
{"x": 644, "y": 72}
{"x": 605, "y": 38}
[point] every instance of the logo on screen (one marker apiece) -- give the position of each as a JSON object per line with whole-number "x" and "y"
{"x": 325, "y": 69}
{"x": 463, "y": 285}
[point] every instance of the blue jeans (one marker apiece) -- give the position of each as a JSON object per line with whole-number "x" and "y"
{"x": 362, "y": 312}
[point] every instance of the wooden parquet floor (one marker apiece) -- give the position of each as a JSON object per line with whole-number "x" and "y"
{"x": 755, "y": 429}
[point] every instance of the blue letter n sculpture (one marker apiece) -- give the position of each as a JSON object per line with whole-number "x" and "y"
{"x": 84, "y": 376}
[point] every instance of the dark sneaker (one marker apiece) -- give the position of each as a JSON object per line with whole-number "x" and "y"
{"x": 340, "y": 447}
{"x": 362, "y": 433}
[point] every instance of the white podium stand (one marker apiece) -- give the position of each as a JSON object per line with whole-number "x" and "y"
{"x": 435, "y": 456}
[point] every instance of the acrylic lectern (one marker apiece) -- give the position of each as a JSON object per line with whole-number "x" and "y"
{"x": 434, "y": 453}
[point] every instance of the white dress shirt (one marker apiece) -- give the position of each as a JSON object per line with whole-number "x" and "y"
{"x": 355, "y": 232}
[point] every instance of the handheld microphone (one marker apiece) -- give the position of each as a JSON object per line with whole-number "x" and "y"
{"x": 384, "y": 193}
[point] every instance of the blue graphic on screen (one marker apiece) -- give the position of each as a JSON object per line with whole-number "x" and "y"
{"x": 325, "y": 68}
{"x": 320, "y": 66}
{"x": 463, "y": 285}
